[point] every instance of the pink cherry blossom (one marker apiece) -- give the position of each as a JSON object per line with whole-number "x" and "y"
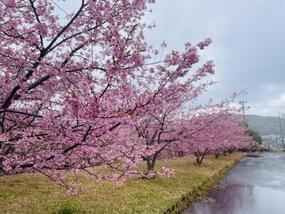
{"x": 75, "y": 92}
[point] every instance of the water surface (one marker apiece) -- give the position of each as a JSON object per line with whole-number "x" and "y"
{"x": 254, "y": 186}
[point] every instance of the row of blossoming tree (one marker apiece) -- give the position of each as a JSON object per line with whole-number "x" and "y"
{"x": 83, "y": 90}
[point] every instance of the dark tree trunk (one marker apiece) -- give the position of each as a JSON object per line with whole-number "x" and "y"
{"x": 5, "y": 149}
{"x": 199, "y": 157}
{"x": 150, "y": 162}
{"x": 150, "y": 165}
{"x": 180, "y": 153}
{"x": 1, "y": 167}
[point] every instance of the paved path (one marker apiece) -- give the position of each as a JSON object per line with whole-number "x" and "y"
{"x": 254, "y": 186}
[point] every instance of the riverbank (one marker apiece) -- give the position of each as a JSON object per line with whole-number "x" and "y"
{"x": 34, "y": 193}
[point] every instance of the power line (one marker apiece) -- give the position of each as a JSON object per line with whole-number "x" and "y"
{"x": 267, "y": 107}
{"x": 59, "y": 7}
{"x": 280, "y": 118}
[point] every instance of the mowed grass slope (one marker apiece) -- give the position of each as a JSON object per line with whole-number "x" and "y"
{"x": 34, "y": 193}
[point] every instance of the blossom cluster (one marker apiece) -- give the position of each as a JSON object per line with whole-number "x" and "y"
{"x": 83, "y": 90}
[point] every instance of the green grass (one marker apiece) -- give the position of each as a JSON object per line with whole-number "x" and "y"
{"x": 34, "y": 193}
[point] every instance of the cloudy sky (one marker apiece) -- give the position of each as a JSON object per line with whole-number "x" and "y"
{"x": 248, "y": 48}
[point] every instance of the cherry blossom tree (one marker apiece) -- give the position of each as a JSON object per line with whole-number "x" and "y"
{"x": 213, "y": 133}
{"x": 161, "y": 127}
{"x": 69, "y": 86}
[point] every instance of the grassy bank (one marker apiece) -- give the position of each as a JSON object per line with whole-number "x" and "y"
{"x": 34, "y": 193}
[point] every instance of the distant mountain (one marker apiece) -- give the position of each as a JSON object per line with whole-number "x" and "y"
{"x": 266, "y": 125}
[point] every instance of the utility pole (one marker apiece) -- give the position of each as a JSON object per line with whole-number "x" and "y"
{"x": 281, "y": 119}
{"x": 243, "y": 111}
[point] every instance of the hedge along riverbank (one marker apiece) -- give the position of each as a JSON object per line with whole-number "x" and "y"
{"x": 34, "y": 193}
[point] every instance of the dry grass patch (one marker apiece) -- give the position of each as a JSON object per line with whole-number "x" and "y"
{"x": 34, "y": 193}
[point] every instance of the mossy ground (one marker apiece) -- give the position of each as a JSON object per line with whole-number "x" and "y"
{"x": 34, "y": 193}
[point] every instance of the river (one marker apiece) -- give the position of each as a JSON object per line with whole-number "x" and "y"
{"x": 253, "y": 186}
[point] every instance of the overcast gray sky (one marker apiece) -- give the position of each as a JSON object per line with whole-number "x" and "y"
{"x": 248, "y": 47}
